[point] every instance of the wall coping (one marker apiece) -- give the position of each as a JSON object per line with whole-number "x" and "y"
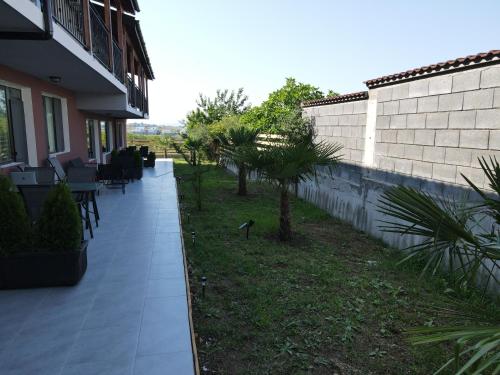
{"x": 446, "y": 67}
{"x": 352, "y": 97}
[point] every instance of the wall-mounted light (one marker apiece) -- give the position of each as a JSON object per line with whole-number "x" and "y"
{"x": 55, "y": 79}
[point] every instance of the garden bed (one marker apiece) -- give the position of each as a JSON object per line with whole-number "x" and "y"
{"x": 332, "y": 301}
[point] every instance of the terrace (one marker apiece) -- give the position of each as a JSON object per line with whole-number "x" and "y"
{"x": 129, "y": 314}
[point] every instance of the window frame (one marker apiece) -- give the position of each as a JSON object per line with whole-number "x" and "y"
{"x": 10, "y": 135}
{"x": 63, "y": 127}
{"x": 90, "y": 138}
{"x": 105, "y": 136}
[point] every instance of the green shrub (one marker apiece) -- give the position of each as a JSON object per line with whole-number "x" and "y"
{"x": 59, "y": 227}
{"x": 15, "y": 228}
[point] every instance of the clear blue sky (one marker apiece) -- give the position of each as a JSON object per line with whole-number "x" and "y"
{"x": 198, "y": 46}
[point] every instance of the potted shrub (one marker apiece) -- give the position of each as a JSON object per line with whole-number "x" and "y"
{"x": 150, "y": 160}
{"x": 138, "y": 165}
{"x": 56, "y": 256}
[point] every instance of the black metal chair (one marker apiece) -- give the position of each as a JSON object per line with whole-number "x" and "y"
{"x": 56, "y": 164}
{"x": 85, "y": 175}
{"x": 44, "y": 175}
{"x": 34, "y": 196}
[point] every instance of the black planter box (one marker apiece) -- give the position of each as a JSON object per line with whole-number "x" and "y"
{"x": 32, "y": 270}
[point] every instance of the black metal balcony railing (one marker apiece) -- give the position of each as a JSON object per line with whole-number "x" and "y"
{"x": 69, "y": 14}
{"x": 100, "y": 38}
{"x": 117, "y": 62}
{"x": 136, "y": 97}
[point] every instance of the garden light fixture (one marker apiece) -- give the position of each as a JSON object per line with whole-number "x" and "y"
{"x": 247, "y": 226}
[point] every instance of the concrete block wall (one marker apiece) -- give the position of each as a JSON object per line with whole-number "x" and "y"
{"x": 342, "y": 123}
{"x": 437, "y": 127}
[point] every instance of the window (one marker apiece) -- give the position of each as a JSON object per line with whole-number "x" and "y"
{"x": 105, "y": 136}
{"x": 53, "y": 120}
{"x": 90, "y": 138}
{"x": 118, "y": 135}
{"x": 5, "y": 139}
{"x": 12, "y": 127}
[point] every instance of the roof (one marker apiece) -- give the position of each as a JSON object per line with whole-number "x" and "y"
{"x": 355, "y": 96}
{"x": 461, "y": 63}
{"x": 131, "y": 6}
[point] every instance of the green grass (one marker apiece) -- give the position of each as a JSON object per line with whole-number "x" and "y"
{"x": 332, "y": 301}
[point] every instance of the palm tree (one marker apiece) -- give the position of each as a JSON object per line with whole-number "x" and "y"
{"x": 285, "y": 160}
{"x": 234, "y": 141}
{"x": 453, "y": 238}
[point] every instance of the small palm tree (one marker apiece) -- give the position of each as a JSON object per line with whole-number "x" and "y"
{"x": 287, "y": 159}
{"x": 234, "y": 141}
{"x": 192, "y": 150}
{"x": 453, "y": 238}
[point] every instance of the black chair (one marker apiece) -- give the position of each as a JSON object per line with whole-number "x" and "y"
{"x": 112, "y": 175}
{"x": 144, "y": 150}
{"x": 44, "y": 175}
{"x": 34, "y": 196}
{"x": 85, "y": 175}
{"x": 56, "y": 164}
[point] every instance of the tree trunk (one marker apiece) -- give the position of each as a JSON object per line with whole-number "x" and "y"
{"x": 285, "y": 232}
{"x": 242, "y": 180}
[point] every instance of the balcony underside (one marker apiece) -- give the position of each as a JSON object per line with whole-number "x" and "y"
{"x": 108, "y": 105}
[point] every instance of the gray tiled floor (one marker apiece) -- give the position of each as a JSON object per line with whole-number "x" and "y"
{"x": 129, "y": 313}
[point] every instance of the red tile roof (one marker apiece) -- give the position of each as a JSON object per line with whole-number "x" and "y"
{"x": 362, "y": 95}
{"x": 471, "y": 61}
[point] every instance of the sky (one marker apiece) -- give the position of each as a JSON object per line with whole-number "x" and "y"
{"x": 199, "y": 46}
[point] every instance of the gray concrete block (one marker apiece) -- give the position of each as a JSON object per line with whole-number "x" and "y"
{"x": 380, "y": 108}
{"x": 451, "y": 102}
{"x": 414, "y": 152}
{"x": 467, "y": 80}
{"x": 336, "y": 131}
{"x": 350, "y": 143}
{"x": 381, "y": 149}
{"x": 458, "y": 156}
{"x": 344, "y": 120}
{"x": 338, "y": 109}
{"x": 384, "y": 94}
{"x": 476, "y": 175}
{"x": 437, "y": 120}
{"x": 444, "y": 172}
{"x": 391, "y": 108}
{"x": 400, "y": 91}
{"x": 479, "y": 99}
{"x": 440, "y": 85}
{"x": 419, "y": 88}
{"x": 386, "y": 163}
{"x": 360, "y": 106}
{"x": 346, "y": 131}
{"x": 488, "y": 119}
{"x": 462, "y": 120}
{"x": 360, "y": 144}
{"x": 448, "y": 138}
{"x": 406, "y": 136}
{"x": 357, "y": 131}
{"x": 389, "y": 136}
{"x": 378, "y": 136}
{"x": 490, "y": 77}
{"x": 361, "y": 119}
{"x": 356, "y": 155}
{"x": 495, "y": 140}
{"x": 496, "y": 102}
{"x": 416, "y": 121}
{"x": 476, "y": 154}
{"x": 348, "y": 108}
{"x": 427, "y": 104}
{"x": 425, "y": 137}
{"x": 474, "y": 139}
{"x": 398, "y": 122}
{"x": 434, "y": 154}
{"x": 396, "y": 150}
{"x": 408, "y": 106}
{"x": 383, "y": 122}
{"x": 422, "y": 169}
{"x": 403, "y": 166}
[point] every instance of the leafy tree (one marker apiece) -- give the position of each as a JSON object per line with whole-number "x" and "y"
{"x": 280, "y": 103}
{"x": 284, "y": 160}
{"x": 236, "y": 139}
{"x": 224, "y": 104}
{"x": 454, "y": 238}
